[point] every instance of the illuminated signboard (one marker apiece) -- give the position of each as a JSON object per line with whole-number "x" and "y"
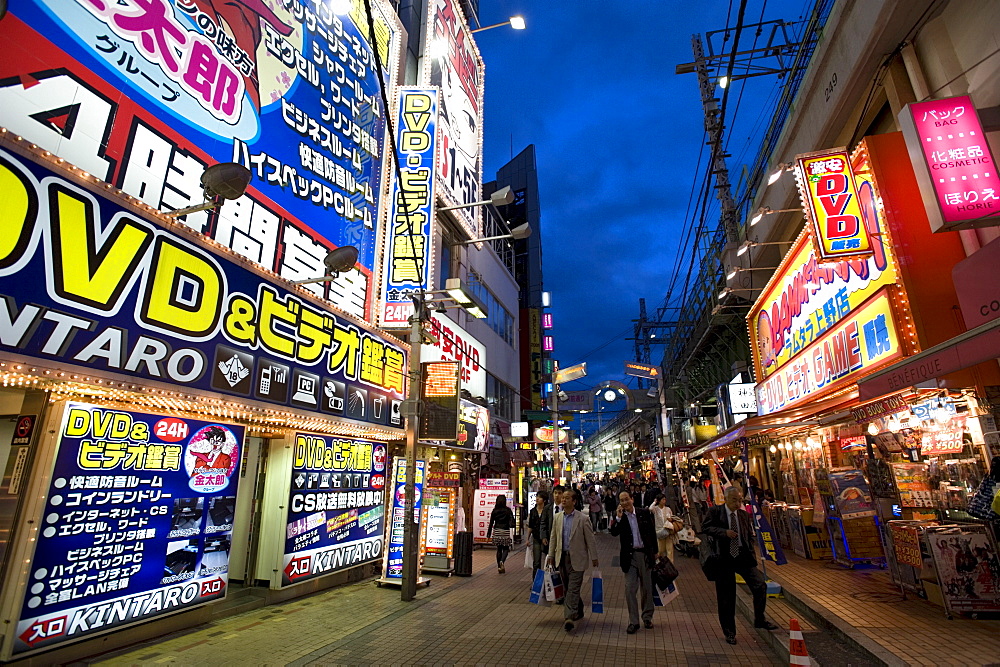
{"x": 642, "y": 370}
{"x": 393, "y": 562}
{"x": 440, "y": 398}
{"x": 548, "y": 344}
{"x": 335, "y": 506}
{"x": 145, "y": 95}
{"x": 546, "y": 320}
{"x": 138, "y": 523}
{"x": 89, "y": 283}
{"x": 830, "y": 199}
{"x": 473, "y": 426}
{"x": 452, "y": 63}
{"x": 805, "y": 297}
{"x": 439, "y": 521}
{"x": 456, "y": 344}
{"x": 742, "y": 400}
{"x": 953, "y": 163}
{"x": 853, "y": 442}
{"x": 408, "y": 236}
{"x": 858, "y": 343}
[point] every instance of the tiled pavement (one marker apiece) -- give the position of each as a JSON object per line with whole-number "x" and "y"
{"x": 485, "y": 619}
{"x": 865, "y": 605}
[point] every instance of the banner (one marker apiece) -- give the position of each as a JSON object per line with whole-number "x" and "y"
{"x": 335, "y": 506}
{"x": 769, "y": 546}
{"x": 148, "y": 94}
{"x": 393, "y": 565}
{"x": 138, "y": 523}
{"x": 851, "y": 494}
{"x": 87, "y": 283}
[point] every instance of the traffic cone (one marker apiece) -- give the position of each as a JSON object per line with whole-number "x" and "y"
{"x": 797, "y": 654}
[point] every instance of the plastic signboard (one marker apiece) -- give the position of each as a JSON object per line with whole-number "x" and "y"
{"x": 335, "y": 514}
{"x": 393, "y": 563}
{"x": 138, "y": 523}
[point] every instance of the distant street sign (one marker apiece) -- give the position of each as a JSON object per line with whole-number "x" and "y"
{"x": 642, "y": 370}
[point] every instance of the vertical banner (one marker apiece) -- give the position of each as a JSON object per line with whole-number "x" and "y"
{"x": 335, "y": 506}
{"x": 830, "y": 199}
{"x": 138, "y": 523}
{"x": 393, "y": 564}
{"x": 408, "y": 238}
{"x": 770, "y": 547}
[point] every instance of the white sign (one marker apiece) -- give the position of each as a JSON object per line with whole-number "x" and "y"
{"x": 456, "y": 344}
{"x": 483, "y": 502}
{"x": 742, "y": 399}
{"x": 519, "y": 429}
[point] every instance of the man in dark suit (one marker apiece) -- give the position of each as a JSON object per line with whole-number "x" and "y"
{"x": 649, "y": 497}
{"x": 635, "y": 528}
{"x": 732, "y": 529}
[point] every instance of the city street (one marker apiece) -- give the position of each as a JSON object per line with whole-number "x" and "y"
{"x": 485, "y": 619}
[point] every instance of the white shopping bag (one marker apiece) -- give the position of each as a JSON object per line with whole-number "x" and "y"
{"x": 663, "y": 597}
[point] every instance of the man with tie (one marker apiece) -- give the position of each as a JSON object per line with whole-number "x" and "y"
{"x": 571, "y": 545}
{"x": 636, "y": 531}
{"x": 731, "y": 528}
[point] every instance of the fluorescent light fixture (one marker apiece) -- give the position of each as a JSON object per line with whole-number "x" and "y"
{"x": 453, "y": 286}
{"x": 475, "y": 311}
{"x": 517, "y": 22}
{"x": 723, "y": 81}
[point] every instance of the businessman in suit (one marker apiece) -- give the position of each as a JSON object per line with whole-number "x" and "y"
{"x": 571, "y": 546}
{"x": 732, "y": 529}
{"x": 636, "y": 531}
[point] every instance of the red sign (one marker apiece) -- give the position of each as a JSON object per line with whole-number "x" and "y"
{"x": 953, "y": 162}
{"x": 830, "y": 198}
{"x": 444, "y": 479}
{"x": 23, "y": 430}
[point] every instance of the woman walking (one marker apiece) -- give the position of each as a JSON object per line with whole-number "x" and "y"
{"x": 666, "y": 525}
{"x": 538, "y": 531}
{"x": 501, "y": 525}
{"x": 596, "y": 507}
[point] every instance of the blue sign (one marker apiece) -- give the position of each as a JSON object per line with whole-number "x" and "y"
{"x": 147, "y": 94}
{"x": 394, "y": 552}
{"x": 407, "y": 266}
{"x": 138, "y": 523}
{"x": 86, "y": 282}
{"x": 336, "y": 506}
{"x": 767, "y": 542}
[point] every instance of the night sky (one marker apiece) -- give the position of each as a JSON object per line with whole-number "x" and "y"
{"x": 617, "y": 136}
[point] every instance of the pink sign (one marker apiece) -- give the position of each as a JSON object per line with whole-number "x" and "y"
{"x": 952, "y": 159}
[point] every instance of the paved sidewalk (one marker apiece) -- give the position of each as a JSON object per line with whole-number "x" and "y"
{"x": 866, "y": 607}
{"x": 483, "y": 619}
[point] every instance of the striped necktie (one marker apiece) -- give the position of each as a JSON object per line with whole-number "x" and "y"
{"x": 734, "y": 543}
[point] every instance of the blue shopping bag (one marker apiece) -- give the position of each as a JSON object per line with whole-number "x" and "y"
{"x": 538, "y": 588}
{"x": 553, "y": 586}
{"x": 597, "y": 593}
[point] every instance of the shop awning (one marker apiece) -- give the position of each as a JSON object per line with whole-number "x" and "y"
{"x": 968, "y": 349}
{"x": 721, "y": 440}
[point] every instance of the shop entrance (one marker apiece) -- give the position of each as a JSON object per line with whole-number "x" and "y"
{"x": 249, "y": 503}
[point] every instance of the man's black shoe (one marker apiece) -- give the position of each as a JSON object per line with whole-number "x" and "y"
{"x": 730, "y": 639}
{"x": 766, "y": 625}
{"x": 632, "y": 628}
{"x": 647, "y": 624}
{"x": 568, "y": 626}
{"x": 560, "y": 600}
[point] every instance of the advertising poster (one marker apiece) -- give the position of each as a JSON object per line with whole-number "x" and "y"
{"x": 86, "y": 282}
{"x": 452, "y": 63}
{"x": 335, "y": 509}
{"x": 473, "y": 426}
{"x": 914, "y": 485}
{"x": 830, "y": 197}
{"x": 906, "y": 544}
{"x": 394, "y": 551}
{"x": 484, "y": 499}
{"x": 851, "y": 494}
{"x": 968, "y": 569}
{"x": 137, "y": 524}
{"x": 145, "y": 94}
{"x": 439, "y": 513}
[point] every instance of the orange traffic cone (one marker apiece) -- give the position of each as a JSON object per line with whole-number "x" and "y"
{"x": 797, "y": 654}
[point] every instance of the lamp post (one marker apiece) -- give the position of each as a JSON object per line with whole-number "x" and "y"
{"x": 515, "y": 22}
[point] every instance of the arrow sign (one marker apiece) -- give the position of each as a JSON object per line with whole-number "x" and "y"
{"x": 638, "y": 370}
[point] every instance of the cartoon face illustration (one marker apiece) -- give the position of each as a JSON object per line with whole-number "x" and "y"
{"x": 765, "y": 344}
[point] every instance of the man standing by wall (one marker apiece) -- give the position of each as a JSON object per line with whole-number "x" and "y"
{"x": 731, "y": 528}
{"x": 635, "y": 529}
{"x": 571, "y": 545}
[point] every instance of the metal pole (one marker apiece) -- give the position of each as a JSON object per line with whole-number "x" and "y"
{"x": 409, "y": 579}
{"x": 556, "y": 460}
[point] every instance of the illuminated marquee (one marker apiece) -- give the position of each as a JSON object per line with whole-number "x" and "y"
{"x": 408, "y": 243}
{"x": 867, "y": 338}
{"x": 830, "y": 199}
{"x": 953, "y": 163}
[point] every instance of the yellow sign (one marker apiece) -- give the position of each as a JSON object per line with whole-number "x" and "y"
{"x": 830, "y": 198}
{"x": 865, "y": 339}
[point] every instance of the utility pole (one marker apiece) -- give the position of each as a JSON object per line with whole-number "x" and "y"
{"x": 409, "y": 579}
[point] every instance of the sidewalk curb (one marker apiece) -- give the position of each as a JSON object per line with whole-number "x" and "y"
{"x": 823, "y": 618}
{"x": 776, "y": 639}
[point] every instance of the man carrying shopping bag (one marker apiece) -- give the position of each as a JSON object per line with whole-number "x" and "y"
{"x": 634, "y": 527}
{"x": 571, "y": 545}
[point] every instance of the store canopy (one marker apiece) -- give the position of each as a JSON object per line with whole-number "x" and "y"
{"x": 965, "y": 350}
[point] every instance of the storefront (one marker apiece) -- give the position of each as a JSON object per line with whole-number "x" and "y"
{"x": 183, "y": 423}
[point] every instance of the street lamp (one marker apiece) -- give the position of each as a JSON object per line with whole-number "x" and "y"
{"x": 517, "y": 233}
{"x": 515, "y": 22}
{"x": 740, "y": 269}
{"x": 226, "y": 180}
{"x": 746, "y": 245}
{"x": 767, "y": 210}
{"x": 567, "y": 374}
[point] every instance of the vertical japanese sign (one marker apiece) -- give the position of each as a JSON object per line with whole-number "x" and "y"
{"x": 335, "y": 508}
{"x": 393, "y": 567}
{"x": 767, "y": 539}
{"x": 953, "y": 163}
{"x": 830, "y": 198}
{"x": 408, "y": 237}
{"x": 452, "y": 63}
{"x": 146, "y": 94}
{"x": 138, "y": 523}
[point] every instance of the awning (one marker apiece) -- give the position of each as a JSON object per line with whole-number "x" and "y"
{"x": 968, "y": 349}
{"x": 721, "y": 440}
